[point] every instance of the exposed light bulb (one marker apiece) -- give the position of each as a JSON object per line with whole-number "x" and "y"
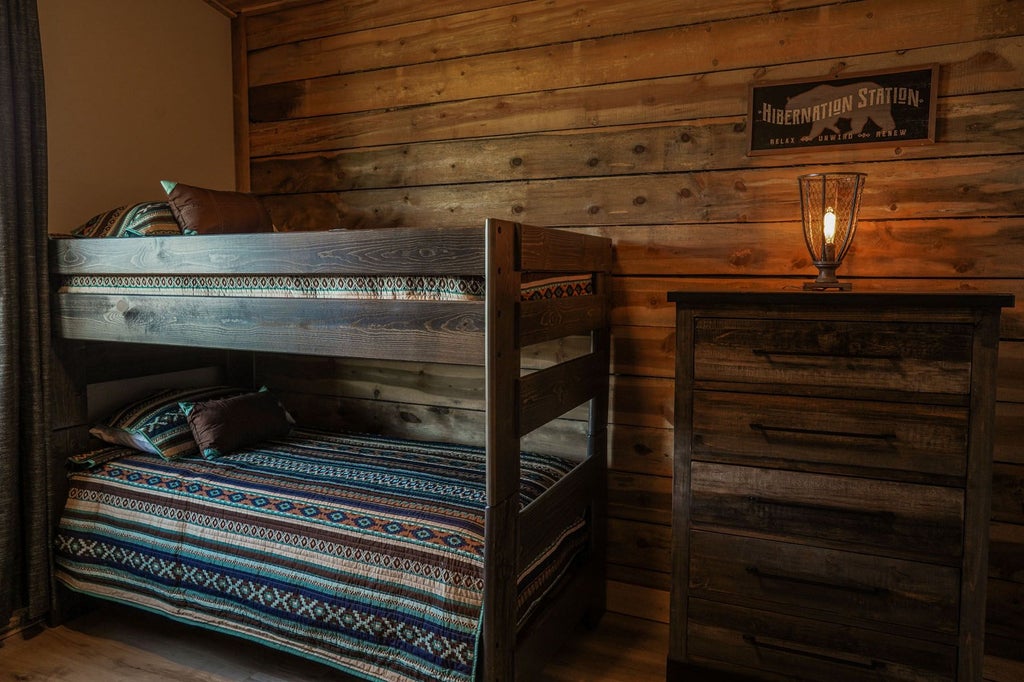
{"x": 829, "y": 225}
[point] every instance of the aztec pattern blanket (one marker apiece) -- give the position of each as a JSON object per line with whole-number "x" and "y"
{"x": 361, "y": 552}
{"x": 372, "y": 287}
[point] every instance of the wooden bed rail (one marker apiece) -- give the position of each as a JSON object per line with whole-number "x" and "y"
{"x": 406, "y": 250}
{"x": 429, "y": 331}
{"x": 546, "y": 249}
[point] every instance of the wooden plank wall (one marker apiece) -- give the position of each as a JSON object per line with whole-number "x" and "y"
{"x": 628, "y": 118}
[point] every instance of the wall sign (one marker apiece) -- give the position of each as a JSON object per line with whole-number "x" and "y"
{"x": 894, "y": 108}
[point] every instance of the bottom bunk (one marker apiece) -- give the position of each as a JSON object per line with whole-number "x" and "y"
{"x": 363, "y": 552}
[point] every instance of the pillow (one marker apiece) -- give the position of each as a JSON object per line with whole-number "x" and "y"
{"x": 147, "y": 219}
{"x": 208, "y": 211}
{"x": 93, "y": 458}
{"x": 223, "y": 425}
{"x": 156, "y": 423}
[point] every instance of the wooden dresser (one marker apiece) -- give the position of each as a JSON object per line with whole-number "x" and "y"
{"x": 832, "y": 484}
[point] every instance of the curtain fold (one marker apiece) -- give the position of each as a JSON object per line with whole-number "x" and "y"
{"x": 25, "y": 469}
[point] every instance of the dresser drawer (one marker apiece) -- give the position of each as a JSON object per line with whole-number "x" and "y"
{"x": 880, "y": 356}
{"x": 825, "y": 583}
{"x": 797, "y": 648}
{"x": 903, "y": 518}
{"x": 929, "y": 439}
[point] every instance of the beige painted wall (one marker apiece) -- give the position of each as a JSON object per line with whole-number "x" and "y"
{"x": 136, "y": 91}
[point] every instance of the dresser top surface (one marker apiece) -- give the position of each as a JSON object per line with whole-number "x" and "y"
{"x": 841, "y": 299}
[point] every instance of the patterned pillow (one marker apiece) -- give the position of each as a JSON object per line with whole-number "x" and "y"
{"x": 147, "y": 219}
{"x": 157, "y": 423}
{"x": 223, "y": 425}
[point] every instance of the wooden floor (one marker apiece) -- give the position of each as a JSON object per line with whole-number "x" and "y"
{"x": 120, "y": 644}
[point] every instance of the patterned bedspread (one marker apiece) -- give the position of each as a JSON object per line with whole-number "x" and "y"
{"x": 377, "y": 287}
{"x": 361, "y": 552}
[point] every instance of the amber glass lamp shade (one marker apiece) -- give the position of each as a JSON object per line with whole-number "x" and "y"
{"x": 829, "y": 203}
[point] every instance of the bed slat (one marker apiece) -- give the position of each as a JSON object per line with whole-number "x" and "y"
{"x": 567, "y": 499}
{"x": 550, "y": 393}
{"x": 557, "y": 317}
{"x": 545, "y": 249}
{"x": 405, "y": 251}
{"x": 445, "y": 332}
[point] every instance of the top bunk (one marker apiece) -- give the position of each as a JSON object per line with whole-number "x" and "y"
{"x": 315, "y": 293}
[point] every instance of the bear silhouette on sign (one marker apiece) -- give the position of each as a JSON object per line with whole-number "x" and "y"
{"x": 880, "y": 113}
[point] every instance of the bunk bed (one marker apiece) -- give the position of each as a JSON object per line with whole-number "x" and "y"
{"x": 121, "y": 302}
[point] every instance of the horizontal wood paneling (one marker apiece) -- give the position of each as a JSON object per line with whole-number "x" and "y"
{"x": 644, "y": 54}
{"x": 988, "y": 121}
{"x": 989, "y": 186}
{"x": 484, "y": 31}
{"x": 629, "y": 120}
{"x": 994, "y": 65}
{"x": 327, "y": 18}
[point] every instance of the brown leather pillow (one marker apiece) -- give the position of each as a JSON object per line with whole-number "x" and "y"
{"x": 208, "y": 211}
{"x": 223, "y": 425}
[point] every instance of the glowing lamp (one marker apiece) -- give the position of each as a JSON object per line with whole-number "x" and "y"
{"x": 829, "y": 203}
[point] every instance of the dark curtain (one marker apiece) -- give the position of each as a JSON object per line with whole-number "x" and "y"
{"x": 24, "y": 319}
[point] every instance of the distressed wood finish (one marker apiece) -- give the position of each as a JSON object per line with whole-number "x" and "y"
{"x": 910, "y": 442}
{"x": 546, "y": 320}
{"x": 630, "y": 118}
{"x": 824, "y": 582}
{"x": 972, "y": 67}
{"x": 775, "y": 644}
{"x": 120, "y": 644}
{"x": 409, "y": 251}
{"x": 967, "y": 188}
{"x": 858, "y": 502}
{"x": 986, "y": 119}
{"x": 640, "y": 55}
{"x": 369, "y": 329}
{"x": 528, "y": 398}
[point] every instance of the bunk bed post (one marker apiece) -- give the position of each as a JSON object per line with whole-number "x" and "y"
{"x": 597, "y": 450}
{"x": 501, "y": 523}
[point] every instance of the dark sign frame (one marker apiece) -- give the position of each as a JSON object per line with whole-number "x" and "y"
{"x": 816, "y": 113}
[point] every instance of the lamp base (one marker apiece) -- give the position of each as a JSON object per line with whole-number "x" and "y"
{"x": 824, "y": 286}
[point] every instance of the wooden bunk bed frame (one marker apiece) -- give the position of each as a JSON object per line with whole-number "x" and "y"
{"x": 490, "y": 333}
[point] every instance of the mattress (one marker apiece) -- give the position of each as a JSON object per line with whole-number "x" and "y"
{"x": 364, "y": 553}
{"x": 398, "y": 287}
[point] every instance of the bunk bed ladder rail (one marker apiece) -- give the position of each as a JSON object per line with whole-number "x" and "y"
{"x": 519, "y": 404}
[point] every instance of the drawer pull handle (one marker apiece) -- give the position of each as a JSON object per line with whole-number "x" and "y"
{"x": 887, "y": 516}
{"x": 755, "y": 571}
{"x": 767, "y": 353}
{"x": 852, "y": 661}
{"x": 889, "y": 438}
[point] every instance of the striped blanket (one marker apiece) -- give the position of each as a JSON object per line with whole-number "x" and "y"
{"x": 361, "y": 552}
{"x": 372, "y": 287}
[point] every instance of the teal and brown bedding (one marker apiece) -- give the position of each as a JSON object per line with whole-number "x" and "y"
{"x": 398, "y": 287}
{"x": 362, "y": 552}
